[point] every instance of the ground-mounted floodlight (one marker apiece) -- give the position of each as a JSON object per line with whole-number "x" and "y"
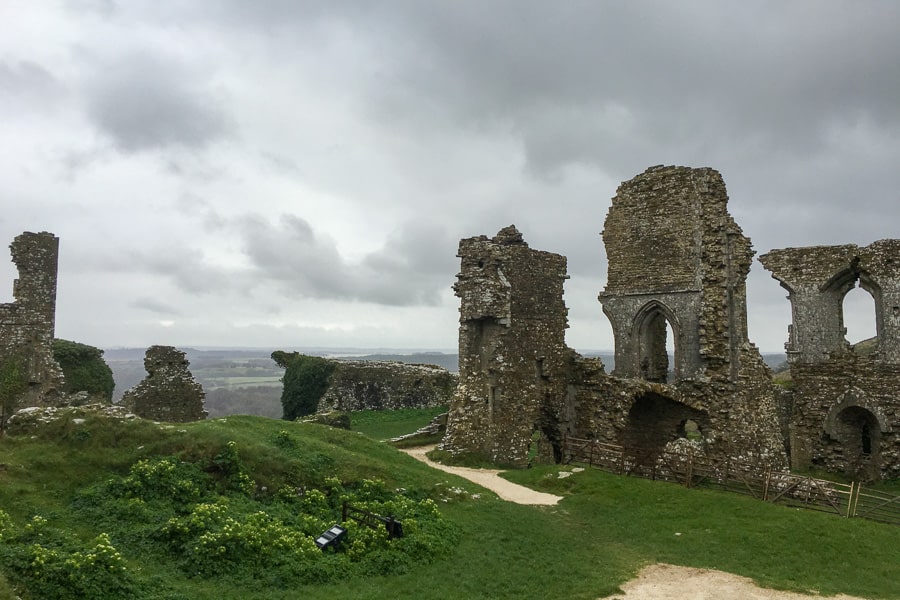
{"x": 331, "y": 538}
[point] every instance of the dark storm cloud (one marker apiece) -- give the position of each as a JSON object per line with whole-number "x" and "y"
{"x": 146, "y": 103}
{"x": 614, "y": 83}
{"x": 402, "y": 273}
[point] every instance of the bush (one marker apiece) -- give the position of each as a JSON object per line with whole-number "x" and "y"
{"x": 241, "y": 532}
{"x": 55, "y": 566}
{"x": 305, "y": 381}
{"x": 84, "y": 369}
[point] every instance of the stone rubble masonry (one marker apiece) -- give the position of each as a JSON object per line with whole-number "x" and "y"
{"x": 846, "y": 410}
{"x": 386, "y": 385}
{"x": 169, "y": 392}
{"x": 27, "y": 325}
{"x": 677, "y": 257}
{"x": 512, "y": 352}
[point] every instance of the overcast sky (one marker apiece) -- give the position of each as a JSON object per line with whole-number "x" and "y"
{"x": 287, "y": 173}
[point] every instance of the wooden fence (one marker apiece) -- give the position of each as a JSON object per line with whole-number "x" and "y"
{"x": 757, "y": 481}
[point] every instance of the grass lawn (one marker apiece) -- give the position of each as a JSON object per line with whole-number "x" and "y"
{"x": 387, "y": 424}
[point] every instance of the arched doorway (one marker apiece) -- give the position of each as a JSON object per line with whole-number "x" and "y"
{"x": 654, "y": 421}
{"x": 859, "y": 434}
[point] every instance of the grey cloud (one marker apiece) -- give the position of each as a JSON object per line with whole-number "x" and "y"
{"x": 701, "y": 79}
{"x": 155, "y": 306}
{"x": 26, "y": 83}
{"x": 144, "y": 103}
{"x": 187, "y": 268}
{"x": 411, "y": 269}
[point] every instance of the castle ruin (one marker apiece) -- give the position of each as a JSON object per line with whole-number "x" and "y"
{"x": 846, "y": 410}
{"x": 512, "y": 353}
{"x": 678, "y": 264}
{"x": 27, "y": 325}
{"x": 169, "y": 392}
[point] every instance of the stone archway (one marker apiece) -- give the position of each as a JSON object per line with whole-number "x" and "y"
{"x": 854, "y": 429}
{"x": 650, "y": 329}
{"x": 655, "y": 420}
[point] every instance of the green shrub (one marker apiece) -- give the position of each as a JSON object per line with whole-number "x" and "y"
{"x": 55, "y": 566}
{"x": 212, "y": 520}
{"x": 305, "y": 382}
{"x": 84, "y": 369}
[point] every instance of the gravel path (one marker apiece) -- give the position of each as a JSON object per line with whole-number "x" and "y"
{"x": 490, "y": 479}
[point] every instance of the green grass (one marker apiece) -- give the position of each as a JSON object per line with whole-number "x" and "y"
{"x": 387, "y": 424}
{"x": 604, "y": 530}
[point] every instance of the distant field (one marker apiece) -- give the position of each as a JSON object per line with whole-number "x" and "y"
{"x": 230, "y": 382}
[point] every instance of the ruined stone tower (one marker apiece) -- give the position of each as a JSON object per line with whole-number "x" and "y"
{"x": 676, "y": 256}
{"x": 678, "y": 261}
{"x": 846, "y": 412}
{"x": 27, "y": 325}
{"x": 512, "y": 349}
{"x": 169, "y": 392}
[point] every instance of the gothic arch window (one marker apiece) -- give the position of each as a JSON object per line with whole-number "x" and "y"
{"x": 858, "y": 299}
{"x": 657, "y": 334}
{"x": 858, "y": 315}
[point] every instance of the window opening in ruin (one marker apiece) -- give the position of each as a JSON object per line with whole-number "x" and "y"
{"x": 539, "y": 373}
{"x": 658, "y": 347}
{"x": 858, "y": 310}
{"x": 8, "y": 276}
{"x": 689, "y": 429}
{"x": 866, "y": 439}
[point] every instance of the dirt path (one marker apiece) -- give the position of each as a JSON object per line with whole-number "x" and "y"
{"x": 490, "y": 479}
{"x": 670, "y": 582}
{"x": 656, "y": 582}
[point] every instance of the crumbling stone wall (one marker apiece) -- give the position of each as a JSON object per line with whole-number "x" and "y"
{"x": 676, "y": 257}
{"x": 846, "y": 412}
{"x": 512, "y": 352}
{"x": 169, "y": 392}
{"x": 27, "y": 325}
{"x": 384, "y": 385}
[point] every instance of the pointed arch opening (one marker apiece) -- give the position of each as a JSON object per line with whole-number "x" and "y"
{"x": 657, "y": 334}
{"x": 858, "y": 316}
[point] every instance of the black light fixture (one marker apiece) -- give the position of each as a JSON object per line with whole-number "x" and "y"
{"x": 331, "y": 538}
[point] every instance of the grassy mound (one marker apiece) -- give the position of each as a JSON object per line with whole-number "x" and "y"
{"x": 97, "y": 506}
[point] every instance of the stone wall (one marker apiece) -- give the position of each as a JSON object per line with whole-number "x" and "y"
{"x": 846, "y": 412}
{"x": 383, "y": 385}
{"x": 677, "y": 258}
{"x": 27, "y": 325}
{"x": 512, "y": 352}
{"x": 676, "y": 255}
{"x": 169, "y": 392}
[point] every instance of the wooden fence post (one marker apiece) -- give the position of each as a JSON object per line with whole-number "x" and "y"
{"x": 690, "y": 471}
